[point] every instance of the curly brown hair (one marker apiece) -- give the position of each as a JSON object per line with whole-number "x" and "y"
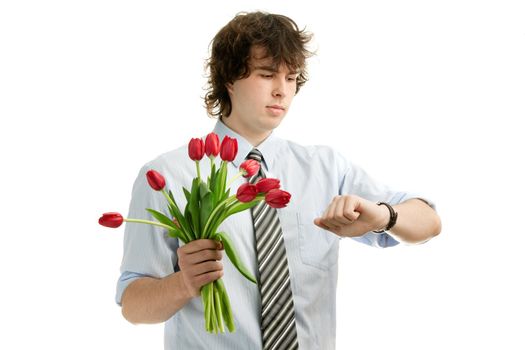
{"x": 278, "y": 35}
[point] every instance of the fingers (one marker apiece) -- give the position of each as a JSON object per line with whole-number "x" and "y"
{"x": 340, "y": 212}
{"x": 205, "y": 268}
{"x": 352, "y": 216}
{"x": 319, "y": 223}
{"x": 201, "y": 256}
{"x": 199, "y": 263}
{"x": 200, "y": 244}
{"x": 203, "y": 279}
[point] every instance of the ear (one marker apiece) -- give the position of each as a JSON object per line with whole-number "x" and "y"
{"x": 229, "y": 87}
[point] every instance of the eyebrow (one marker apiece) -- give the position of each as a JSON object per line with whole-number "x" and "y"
{"x": 273, "y": 69}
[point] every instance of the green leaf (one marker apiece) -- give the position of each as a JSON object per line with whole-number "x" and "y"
{"x": 194, "y": 207}
{"x": 187, "y": 213}
{"x": 226, "y": 306}
{"x": 215, "y": 220}
{"x": 172, "y": 211}
{"x": 206, "y": 209}
{"x": 186, "y": 194}
{"x": 185, "y": 227}
{"x": 221, "y": 180}
{"x": 205, "y": 295}
{"x": 185, "y": 230}
{"x": 203, "y": 190}
{"x": 211, "y": 178}
{"x": 226, "y": 195}
{"x": 162, "y": 218}
{"x": 178, "y": 234}
{"x": 213, "y": 311}
{"x": 238, "y": 207}
{"x": 213, "y": 175}
{"x": 206, "y": 206}
{"x": 218, "y": 309}
{"x": 232, "y": 255}
{"x": 176, "y": 231}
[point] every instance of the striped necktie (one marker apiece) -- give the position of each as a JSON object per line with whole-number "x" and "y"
{"x": 277, "y": 309}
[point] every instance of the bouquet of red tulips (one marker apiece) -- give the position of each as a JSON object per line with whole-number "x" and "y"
{"x": 208, "y": 204}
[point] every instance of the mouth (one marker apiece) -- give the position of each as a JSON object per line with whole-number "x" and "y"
{"x": 276, "y": 107}
{"x": 276, "y": 110}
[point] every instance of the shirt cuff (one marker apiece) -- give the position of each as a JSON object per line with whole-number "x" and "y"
{"x": 384, "y": 240}
{"x": 378, "y": 240}
{"x": 124, "y": 281}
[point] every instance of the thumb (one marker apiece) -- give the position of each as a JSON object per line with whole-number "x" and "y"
{"x": 318, "y": 222}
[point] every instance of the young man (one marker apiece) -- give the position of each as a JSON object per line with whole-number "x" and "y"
{"x": 257, "y": 65}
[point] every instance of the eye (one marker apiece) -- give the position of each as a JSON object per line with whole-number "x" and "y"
{"x": 266, "y": 75}
{"x": 292, "y": 78}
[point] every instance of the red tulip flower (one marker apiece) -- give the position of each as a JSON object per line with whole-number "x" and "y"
{"x": 156, "y": 180}
{"x": 277, "y": 198}
{"x": 228, "y": 149}
{"x": 112, "y": 220}
{"x": 212, "y": 145}
{"x": 267, "y": 184}
{"x": 196, "y": 149}
{"x": 250, "y": 167}
{"x": 246, "y": 192}
{"x": 210, "y": 196}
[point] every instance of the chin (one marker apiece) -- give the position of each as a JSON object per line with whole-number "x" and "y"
{"x": 272, "y": 124}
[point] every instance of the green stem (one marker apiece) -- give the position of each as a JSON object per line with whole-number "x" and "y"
{"x": 217, "y": 208}
{"x": 239, "y": 174}
{"x": 139, "y": 221}
{"x": 168, "y": 198}
{"x": 257, "y": 198}
{"x": 198, "y": 170}
{"x": 225, "y": 305}
{"x": 218, "y": 309}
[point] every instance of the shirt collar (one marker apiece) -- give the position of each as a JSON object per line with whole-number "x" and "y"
{"x": 268, "y": 147}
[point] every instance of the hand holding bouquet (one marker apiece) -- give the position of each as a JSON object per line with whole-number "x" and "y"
{"x": 208, "y": 204}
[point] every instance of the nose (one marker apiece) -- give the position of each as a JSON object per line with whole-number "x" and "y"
{"x": 279, "y": 88}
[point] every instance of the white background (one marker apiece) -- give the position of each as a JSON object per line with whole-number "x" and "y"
{"x": 427, "y": 96}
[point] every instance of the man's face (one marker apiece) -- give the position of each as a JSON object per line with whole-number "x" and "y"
{"x": 261, "y": 100}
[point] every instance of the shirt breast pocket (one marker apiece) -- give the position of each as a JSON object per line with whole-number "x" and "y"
{"x": 317, "y": 247}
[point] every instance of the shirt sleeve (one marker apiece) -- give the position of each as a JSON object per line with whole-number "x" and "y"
{"x": 123, "y": 282}
{"x": 354, "y": 180}
{"x": 148, "y": 250}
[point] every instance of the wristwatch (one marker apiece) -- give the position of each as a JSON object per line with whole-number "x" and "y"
{"x": 393, "y": 217}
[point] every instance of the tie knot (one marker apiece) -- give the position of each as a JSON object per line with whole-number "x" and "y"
{"x": 255, "y": 154}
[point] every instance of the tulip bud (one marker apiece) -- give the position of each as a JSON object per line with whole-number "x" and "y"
{"x": 112, "y": 220}
{"x": 250, "y": 167}
{"x": 228, "y": 149}
{"x": 155, "y": 180}
{"x": 212, "y": 145}
{"x": 277, "y": 198}
{"x": 267, "y": 184}
{"x": 196, "y": 149}
{"x": 246, "y": 193}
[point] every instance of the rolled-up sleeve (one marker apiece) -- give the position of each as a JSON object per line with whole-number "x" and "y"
{"x": 148, "y": 250}
{"x": 123, "y": 282}
{"x": 354, "y": 180}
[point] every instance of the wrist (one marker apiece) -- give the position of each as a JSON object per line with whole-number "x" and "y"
{"x": 389, "y": 217}
{"x": 181, "y": 289}
{"x": 385, "y": 218}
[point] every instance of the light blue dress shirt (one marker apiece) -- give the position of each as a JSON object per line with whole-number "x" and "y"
{"x": 313, "y": 175}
